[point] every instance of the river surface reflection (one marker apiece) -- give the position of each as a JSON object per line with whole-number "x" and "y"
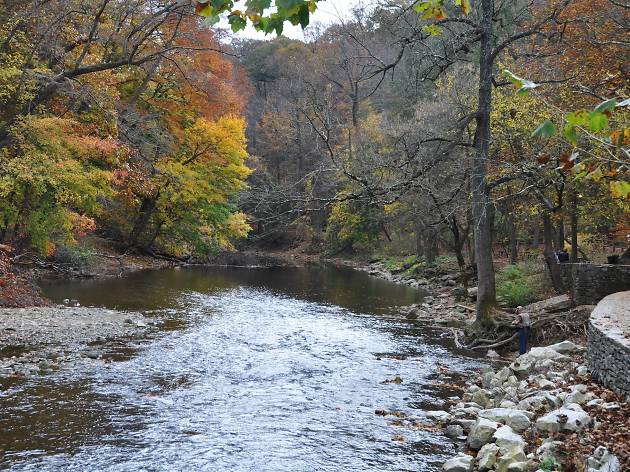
{"x": 256, "y": 370}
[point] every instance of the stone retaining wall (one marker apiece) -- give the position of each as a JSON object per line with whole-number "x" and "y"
{"x": 608, "y": 350}
{"x": 589, "y": 283}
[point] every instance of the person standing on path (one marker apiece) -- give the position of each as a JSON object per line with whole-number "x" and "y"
{"x": 523, "y": 324}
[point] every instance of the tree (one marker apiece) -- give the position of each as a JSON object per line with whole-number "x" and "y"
{"x": 105, "y": 125}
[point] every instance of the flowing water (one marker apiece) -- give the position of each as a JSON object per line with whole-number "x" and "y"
{"x": 254, "y": 370}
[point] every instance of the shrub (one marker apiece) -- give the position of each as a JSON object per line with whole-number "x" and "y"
{"x": 549, "y": 465}
{"x": 79, "y": 255}
{"x": 514, "y": 288}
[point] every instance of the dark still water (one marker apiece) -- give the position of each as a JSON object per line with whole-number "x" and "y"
{"x": 256, "y": 370}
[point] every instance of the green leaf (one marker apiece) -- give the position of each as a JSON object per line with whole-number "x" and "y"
{"x": 237, "y": 23}
{"x": 578, "y": 118}
{"x": 606, "y": 105}
{"x": 211, "y": 20}
{"x": 597, "y": 121}
{"x": 258, "y": 6}
{"x": 432, "y": 30}
{"x": 304, "y": 15}
{"x": 545, "y": 130}
{"x": 570, "y": 133}
{"x": 620, "y": 188}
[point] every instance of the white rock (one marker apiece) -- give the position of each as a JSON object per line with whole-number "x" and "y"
{"x": 579, "y": 388}
{"x": 549, "y": 449}
{"x": 582, "y": 370}
{"x": 595, "y": 402}
{"x": 561, "y": 302}
{"x": 481, "y": 433}
{"x": 487, "y": 456}
{"x": 453, "y": 431}
{"x": 567, "y": 347}
{"x": 492, "y": 354}
{"x": 517, "y": 467}
{"x": 515, "y": 419}
{"x": 460, "y": 463}
{"x": 508, "y": 441}
{"x": 513, "y": 456}
{"x": 575, "y": 397}
{"x": 568, "y": 418}
{"x": 545, "y": 384}
{"x": 465, "y": 423}
{"x": 438, "y": 415}
{"x": 611, "y": 406}
{"x": 603, "y": 461}
{"x": 536, "y": 359}
{"x": 543, "y": 352}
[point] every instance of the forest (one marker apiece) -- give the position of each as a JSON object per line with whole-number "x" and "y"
{"x": 410, "y": 130}
{"x": 235, "y": 236}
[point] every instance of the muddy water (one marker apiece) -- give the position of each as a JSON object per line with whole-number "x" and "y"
{"x": 254, "y": 370}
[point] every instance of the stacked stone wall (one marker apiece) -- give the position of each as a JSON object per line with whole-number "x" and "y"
{"x": 608, "y": 351}
{"x": 589, "y": 283}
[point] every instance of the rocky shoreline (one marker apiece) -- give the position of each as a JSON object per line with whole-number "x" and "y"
{"x": 541, "y": 413}
{"x": 39, "y": 339}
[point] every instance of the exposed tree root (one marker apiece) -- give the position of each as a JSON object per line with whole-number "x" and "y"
{"x": 545, "y": 327}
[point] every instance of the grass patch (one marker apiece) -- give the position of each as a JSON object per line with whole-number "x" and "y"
{"x": 515, "y": 287}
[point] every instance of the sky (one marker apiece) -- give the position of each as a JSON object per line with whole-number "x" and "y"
{"x": 328, "y": 12}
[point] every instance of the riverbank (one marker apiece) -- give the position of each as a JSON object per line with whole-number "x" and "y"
{"x": 39, "y": 339}
{"x": 541, "y": 413}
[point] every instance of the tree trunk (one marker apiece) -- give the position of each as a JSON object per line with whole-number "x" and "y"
{"x": 513, "y": 239}
{"x": 536, "y": 235}
{"x": 298, "y": 139}
{"x": 430, "y": 246}
{"x": 560, "y": 233}
{"x": 147, "y": 208}
{"x": 458, "y": 243}
{"x": 419, "y": 240}
{"x": 482, "y": 218}
{"x": 550, "y": 258}
{"x": 574, "y": 228}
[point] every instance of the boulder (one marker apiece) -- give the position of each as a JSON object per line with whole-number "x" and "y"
{"x": 438, "y": 415}
{"x": 509, "y": 442}
{"x": 517, "y": 467}
{"x": 515, "y": 419}
{"x": 549, "y": 449}
{"x": 482, "y": 397}
{"x": 567, "y": 347}
{"x": 492, "y": 354}
{"x": 568, "y": 418}
{"x": 460, "y": 463}
{"x": 577, "y": 395}
{"x": 513, "y": 456}
{"x": 582, "y": 370}
{"x": 453, "y": 431}
{"x": 602, "y": 461}
{"x": 465, "y": 423}
{"x": 481, "y": 433}
{"x": 487, "y": 456}
{"x": 538, "y": 358}
{"x": 561, "y": 302}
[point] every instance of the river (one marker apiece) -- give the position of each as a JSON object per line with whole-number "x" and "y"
{"x": 253, "y": 370}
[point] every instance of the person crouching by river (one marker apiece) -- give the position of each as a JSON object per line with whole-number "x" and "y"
{"x": 522, "y": 322}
